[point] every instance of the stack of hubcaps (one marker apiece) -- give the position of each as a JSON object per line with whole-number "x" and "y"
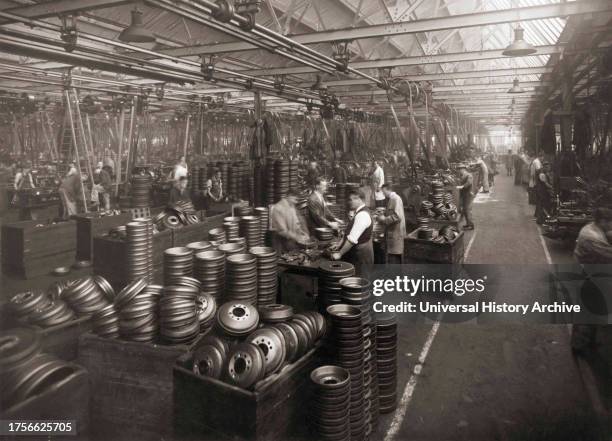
{"x": 267, "y": 274}
{"x": 330, "y": 274}
{"x": 178, "y": 262}
{"x": 330, "y": 409}
{"x": 209, "y": 269}
{"x": 241, "y": 278}
{"x": 386, "y": 358}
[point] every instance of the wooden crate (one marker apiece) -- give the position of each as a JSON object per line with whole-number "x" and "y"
{"x": 65, "y": 400}
{"x": 209, "y": 409}
{"x": 92, "y": 224}
{"x": 63, "y": 340}
{"x": 131, "y": 387}
{"x": 425, "y": 251}
{"x": 30, "y": 249}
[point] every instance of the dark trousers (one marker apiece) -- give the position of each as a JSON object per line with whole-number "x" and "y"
{"x": 394, "y": 259}
{"x": 466, "y": 209}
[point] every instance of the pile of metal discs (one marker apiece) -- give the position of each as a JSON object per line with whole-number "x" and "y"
{"x": 427, "y": 209}
{"x": 37, "y": 308}
{"x": 85, "y": 296}
{"x": 281, "y": 178}
{"x": 202, "y": 179}
{"x": 217, "y": 236}
{"x": 178, "y": 262}
{"x": 244, "y": 210}
{"x": 105, "y": 322}
{"x": 231, "y": 225}
{"x": 241, "y": 278}
{"x": 118, "y": 232}
{"x": 386, "y": 360}
{"x": 270, "y": 182}
{"x": 425, "y": 233}
{"x": 239, "y": 180}
{"x": 207, "y": 310}
{"x": 200, "y": 246}
{"x": 330, "y": 274}
{"x": 223, "y": 167}
{"x": 341, "y": 194}
{"x": 294, "y": 178}
{"x": 264, "y": 219}
{"x": 25, "y": 371}
{"x": 349, "y": 349}
{"x": 236, "y": 319}
{"x": 356, "y": 291}
{"x": 275, "y": 313}
{"x": 194, "y": 179}
{"x": 106, "y": 288}
{"x": 176, "y": 216}
{"x": 250, "y": 229}
{"x": 209, "y": 269}
{"x": 139, "y": 241}
{"x": 230, "y": 249}
{"x": 54, "y": 291}
{"x": 330, "y": 405}
{"x": 245, "y": 365}
{"x": 141, "y": 190}
{"x": 324, "y": 234}
{"x": 178, "y": 314}
{"x": 272, "y": 344}
{"x": 267, "y": 274}
{"x": 137, "y": 304}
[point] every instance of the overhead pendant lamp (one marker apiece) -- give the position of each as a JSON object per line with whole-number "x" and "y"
{"x": 136, "y": 32}
{"x": 516, "y": 87}
{"x": 372, "y": 101}
{"x": 519, "y": 47}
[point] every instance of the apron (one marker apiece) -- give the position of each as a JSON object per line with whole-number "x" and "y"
{"x": 361, "y": 254}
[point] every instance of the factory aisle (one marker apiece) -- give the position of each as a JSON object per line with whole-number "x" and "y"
{"x": 486, "y": 382}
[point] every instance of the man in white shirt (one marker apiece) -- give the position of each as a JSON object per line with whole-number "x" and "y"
{"x": 357, "y": 248}
{"x": 180, "y": 170}
{"x": 534, "y": 172}
{"x": 377, "y": 181}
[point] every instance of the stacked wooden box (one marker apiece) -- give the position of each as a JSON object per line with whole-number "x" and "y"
{"x": 31, "y": 249}
{"x": 91, "y": 225}
{"x": 426, "y": 251}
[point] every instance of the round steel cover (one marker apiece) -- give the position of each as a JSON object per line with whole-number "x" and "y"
{"x": 245, "y": 365}
{"x": 271, "y": 343}
{"x": 16, "y": 346}
{"x": 208, "y": 361}
{"x": 237, "y": 319}
{"x": 275, "y": 313}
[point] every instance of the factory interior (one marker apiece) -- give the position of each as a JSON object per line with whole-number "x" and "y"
{"x": 200, "y": 201}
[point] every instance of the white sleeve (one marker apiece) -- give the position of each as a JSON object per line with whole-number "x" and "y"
{"x": 362, "y": 222}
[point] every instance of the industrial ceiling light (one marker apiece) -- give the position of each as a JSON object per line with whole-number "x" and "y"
{"x": 372, "y": 101}
{"x": 136, "y": 32}
{"x": 516, "y": 87}
{"x": 519, "y": 47}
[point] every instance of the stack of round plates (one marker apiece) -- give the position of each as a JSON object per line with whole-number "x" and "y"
{"x": 250, "y": 229}
{"x": 232, "y": 227}
{"x": 106, "y": 288}
{"x": 386, "y": 360}
{"x": 349, "y": 345}
{"x": 324, "y": 234}
{"x": 50, "y": 314}
{"x": 217, "y": 236}
{"x": 281, "y": 178}
{"x": 209, "y": 269}
{"x": 330, "y": 407}
{"x": 267, "y": 275}
{"x": 178, "y": 261}
{"x": 24, "y": 303}
{"x": 241, "y": 278}
{"x": 330, "y": 274}
{"x": 244, "y": 210}
{"x": 207, "y": 310}
{"x": 139, "y": 243}
{"x": 141, "y": 191}
{"x": 197, "y": 247}
{"x": 237, "y": 319}
{"x": 230, "y": 249}
{"x": 264, "y": 218}
{"x": 178, "y": 314}
{"x": 270, "y": 182}
{"x": 84, "y": 296}
{"x": 55, "y": 290}
{"x": 341, "y": 194}
{"x": 194, "y": 179}
{"x": 425, "y": 233}
{"x": 294, "y": 177}
{"x": 138, "y": 319}
{"x": 105, "y": 322}
{"x": 202, "y": 179}
{"x": 356, "y": 291}
{"x": 275, "y": 313}
{"x": 223, "y": 167}
{"x": 240, "y": 241}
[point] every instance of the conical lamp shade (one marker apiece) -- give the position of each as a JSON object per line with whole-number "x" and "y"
{"x": 516, "y": 87}
{"x": 519, "y": 47}
{"x": 372, "y": 101}
{"x": 136, "y": 32}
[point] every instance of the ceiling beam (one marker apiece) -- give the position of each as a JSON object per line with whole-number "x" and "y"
{"x": 450, "y": 76}
{"x": 58, "y": 7}
{"x": 449, "y": 88}
{"x": 484, "y": 18}
{"x": 453, "y": 57}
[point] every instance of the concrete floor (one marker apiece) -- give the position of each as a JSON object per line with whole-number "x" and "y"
{"x": 507, "y": 382}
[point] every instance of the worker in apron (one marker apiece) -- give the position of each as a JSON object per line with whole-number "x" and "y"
{"x": 357, "y": 247}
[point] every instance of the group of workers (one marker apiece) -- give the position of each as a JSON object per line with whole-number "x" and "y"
{"x": 213, "y": 192}
{"x": 290, "y": 229}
